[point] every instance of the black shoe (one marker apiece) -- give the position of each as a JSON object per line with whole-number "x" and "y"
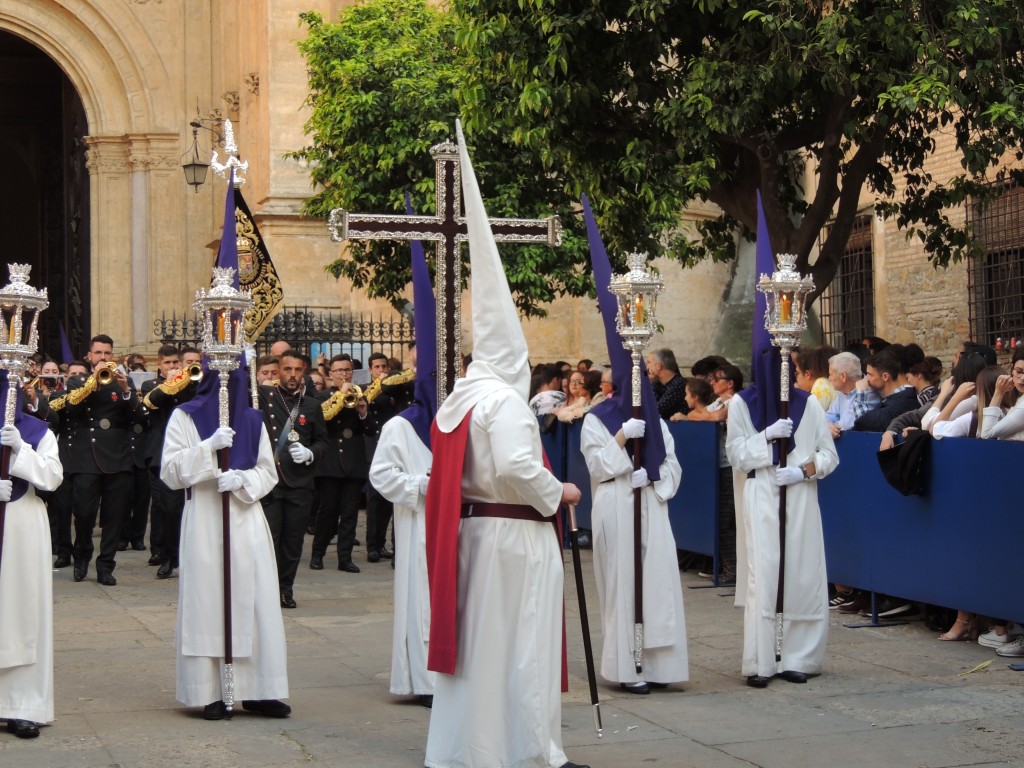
{"x": 155, "y": 559}
{"x": 386, "y": 553}
{"x": 165, "y": 570}
{"x": 81, "y": 570}
{"x": 373, "y": 557}
{"x": 216, "y": 711}
{"x": 425, "y": 700}
{"x": 639, "y": 690}
{"x": 316, "y": 562}
{"x": 348, "y": 566}
{"x": 267, "y": 707}
{"x": 792, "y": 676}
{"x": 287, "y": 601}
{"x": 757, "y": 681}
{"x": 23, "y": 729}
{"x": 657, "y": 686}
{"x": 122, "y": 546}
{"x": 310, "y": 530}
{"x": 355, "y": 542}
{"x": 62, "y": 561}
{"x": 139, "y": 545}
{"x": 575, "y": 765}
{"x": 106, "y": 579}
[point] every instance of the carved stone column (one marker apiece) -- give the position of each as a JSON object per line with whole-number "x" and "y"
{"x": 107, "y": 159}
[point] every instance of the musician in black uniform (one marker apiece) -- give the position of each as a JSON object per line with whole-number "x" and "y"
{"x": 100, "y": 417}
{"x": 342, "y": 473}
{"x": 172, "y": 386}
{"x": 133, "y": 525}
{"x": 298, "y": 436}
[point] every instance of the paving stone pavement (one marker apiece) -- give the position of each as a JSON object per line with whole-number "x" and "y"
{"x": 893, "y": 697}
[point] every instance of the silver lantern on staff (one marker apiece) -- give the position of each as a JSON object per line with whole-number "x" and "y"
{"x": 20, "y": 305}
{"x": 785, "y": 319}
{"x": 221, "y": 311}
{"x": 636, "y": 293}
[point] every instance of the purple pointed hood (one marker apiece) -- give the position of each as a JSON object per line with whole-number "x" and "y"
{"x": 617, "y": 408}
{"x": 421, "y": 413}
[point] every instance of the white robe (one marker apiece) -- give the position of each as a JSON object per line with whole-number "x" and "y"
{"x": 664, "y": 653}
{"x": 805, "y": 615}
{"x": 258, "y": 641}
{"x": 26, "y": 590}
{"x": 502, "y": 708}
{"x": 400, "y": 461}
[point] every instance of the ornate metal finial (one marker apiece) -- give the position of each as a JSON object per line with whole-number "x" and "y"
{"x": 446, "y": 149}
{"x": 231, "y": 150}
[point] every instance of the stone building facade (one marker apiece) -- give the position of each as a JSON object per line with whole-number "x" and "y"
{"x": 108, "y": 222}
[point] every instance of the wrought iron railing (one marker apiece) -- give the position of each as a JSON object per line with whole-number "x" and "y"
{"x": 309, "y": 330}
{"x": 847, "y": 307}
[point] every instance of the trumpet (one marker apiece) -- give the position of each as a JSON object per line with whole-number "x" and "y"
{"x": 195, "y": 372}
{"x": 351, "y": 397}
{"x": 105, "y": 374}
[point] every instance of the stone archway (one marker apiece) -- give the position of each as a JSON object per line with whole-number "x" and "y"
{"x": 130, "y": 151}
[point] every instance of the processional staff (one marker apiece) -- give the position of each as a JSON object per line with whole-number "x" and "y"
{"x": 785, "y": 319}
{"x": 20, "y": 305}
{"x": 222, "y": 311}
{"x": 637, "y": 292}
{"x": 588, "y": 649}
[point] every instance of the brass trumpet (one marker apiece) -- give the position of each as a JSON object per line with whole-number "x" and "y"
{"x": 351, "y": 397}
{"x": 105, "y": 374}
{"x": 195, "y": 372}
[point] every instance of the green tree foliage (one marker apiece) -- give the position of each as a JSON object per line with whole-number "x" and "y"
{"x": 650, "y": 105}
{"x": 383, "y": 80}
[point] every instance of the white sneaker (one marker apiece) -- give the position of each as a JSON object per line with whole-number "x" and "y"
{"x": 1013, "y": 647}
{"x": 993, "y": 640}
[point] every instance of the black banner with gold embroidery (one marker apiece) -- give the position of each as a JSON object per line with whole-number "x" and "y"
{"x": 256, "y": 272}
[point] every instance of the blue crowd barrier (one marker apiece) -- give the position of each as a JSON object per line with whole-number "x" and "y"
{"x": 955, "y": 546}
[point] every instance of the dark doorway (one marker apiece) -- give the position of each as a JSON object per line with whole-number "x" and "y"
{"x": 44, "y": 197}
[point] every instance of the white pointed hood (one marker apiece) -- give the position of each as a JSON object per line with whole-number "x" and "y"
{"x": 500, "y": 357}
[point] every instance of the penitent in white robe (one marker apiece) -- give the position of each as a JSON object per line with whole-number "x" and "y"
{"x": 664, "y": 653}
{"x": 502, "y": 708}
{"x": 26, "y": 590}
{"x": 805, "y": 614}
{"x": 258, "y": 643}
{"x": 400, "y": 461}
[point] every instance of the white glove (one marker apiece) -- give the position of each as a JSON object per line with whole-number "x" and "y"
{"x": 781, "y": 428}
{"x": 788, "y": 475}
{"x": 6, "y": 489}
{"x": 228, "y": 481}
{"x": 300, "y": 454}
{"x": 639, "y": 478}
{"x": 224, "y": 437}
{"x": 11, "y": 437}
{"x": 634, "y": 428}
{"x": 424, "y": 481}
{"x": 250, "y": 354}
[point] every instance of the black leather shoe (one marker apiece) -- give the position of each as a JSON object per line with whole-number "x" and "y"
{"x": 287, "y": 601}
{"x": 165, "y": 570}
{"x": 386, "y": 553}
{"x": 122, "y": 546}
{"x": 106, "y": 579}
{"x": 155, "y": 559}
{"x": 792, "y": 676}
{"x": 657, "y": 686}
{"x": 216, "y": 711}
{"x": 575, "y": 765}
{"x": 316, "y": 562}
{"x": 639, "y": 690}
{"x": 425, "y": 700}
{"x": 62, "y": 561}
{"x": 356, "y": 542}
{"x": 267, "y": 707}
{"x": 348, "y": 566}
{"x": 139, "y": 545}
{"x": 757, "y": 681}
{"x": 373, "y": 557}
{"x": 81, "y": 569}
{"x": 23, "y": 729}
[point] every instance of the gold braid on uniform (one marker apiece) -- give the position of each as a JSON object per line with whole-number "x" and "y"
{"x": 75, "y": 396}
{"x": 399, "y": 378}
{"x": 169, "y": 387}
{"x": 58, "y": 402}
{"x": 332, "y": 406}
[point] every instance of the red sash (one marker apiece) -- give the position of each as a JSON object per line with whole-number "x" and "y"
{"x": 444, "y": 514}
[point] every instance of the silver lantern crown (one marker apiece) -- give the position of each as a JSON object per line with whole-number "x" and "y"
{"x": 637, "y": 294}
{"x": 221, "y": 311}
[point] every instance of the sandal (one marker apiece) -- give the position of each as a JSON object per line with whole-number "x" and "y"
{"x": 963, "y": 634}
